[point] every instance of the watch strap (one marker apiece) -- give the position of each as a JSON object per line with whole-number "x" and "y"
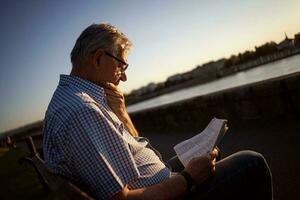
{"x": 189, "y": 180}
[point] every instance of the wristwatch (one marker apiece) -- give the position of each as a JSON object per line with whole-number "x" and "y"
{"x": 191, "y": 184}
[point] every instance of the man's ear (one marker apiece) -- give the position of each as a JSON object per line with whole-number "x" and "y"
{"x": 96, "y": 58}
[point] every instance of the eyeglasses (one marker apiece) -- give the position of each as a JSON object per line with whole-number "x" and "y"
{"x": 125, "y": 65}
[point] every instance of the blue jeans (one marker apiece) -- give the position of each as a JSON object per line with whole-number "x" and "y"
{"x": 242, "y": 175}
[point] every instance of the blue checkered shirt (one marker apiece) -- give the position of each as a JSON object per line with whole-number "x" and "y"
{"x": 84, "y": 141}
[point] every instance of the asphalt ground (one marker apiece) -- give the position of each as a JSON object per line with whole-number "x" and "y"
{"x": 278, "y": 140}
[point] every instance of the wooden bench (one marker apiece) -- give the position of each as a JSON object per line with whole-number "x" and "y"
{"x": 58, "y": 186}
{"x": 62, "y": 188}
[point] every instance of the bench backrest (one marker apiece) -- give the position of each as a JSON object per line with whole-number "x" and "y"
{"x": 60, "y": 187}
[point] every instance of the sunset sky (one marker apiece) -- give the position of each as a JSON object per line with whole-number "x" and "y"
{"x": 169, "y": 37}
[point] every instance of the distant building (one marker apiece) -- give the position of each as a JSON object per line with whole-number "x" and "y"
{"x": 141, "y": 91}
{"x": 174, "y": 78}
{"x": 187, "y": 75}
{"x": 151, "y": 87}
{"x": 219, "y": 64}
{"x": 209, "y": 69}
{"x": 286, "y": 43}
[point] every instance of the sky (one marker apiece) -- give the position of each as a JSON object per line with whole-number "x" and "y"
{"x": 169, "y": 37}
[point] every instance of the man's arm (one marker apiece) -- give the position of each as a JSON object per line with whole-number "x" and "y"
{"x": 200, "y": 168}
{"x": 125, "y": 118}
{"x": 175, "y": 187}
{"x": 116, "y": 102}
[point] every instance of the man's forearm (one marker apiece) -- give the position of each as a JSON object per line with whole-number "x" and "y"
{"x": 125, "y": 118}
{"x": 173, "y": 188}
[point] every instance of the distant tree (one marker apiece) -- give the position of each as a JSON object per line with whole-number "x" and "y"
{"x": 265, "y": 49}
{"x": 247, "y": 55}
{"x": 227, "y": 63}
{"x": 233, "y": 60}
{"x": 297, "y": 39}
{"x": 240, "y": 58}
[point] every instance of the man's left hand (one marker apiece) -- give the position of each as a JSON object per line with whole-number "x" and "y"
{"x": 115, "y": 99}
{"x": 116, "y": 102}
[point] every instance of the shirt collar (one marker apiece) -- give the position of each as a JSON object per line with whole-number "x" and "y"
{"x": 90, "y": 88}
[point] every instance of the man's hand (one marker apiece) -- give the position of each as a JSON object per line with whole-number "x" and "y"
{"x": 173, "y": 188}
{"x": 116, "y": 102}
{"x": 200, "y": 168}
{"x": 115, "y": 99}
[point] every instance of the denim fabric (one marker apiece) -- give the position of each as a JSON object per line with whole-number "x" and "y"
{"x": 242, "y": 175}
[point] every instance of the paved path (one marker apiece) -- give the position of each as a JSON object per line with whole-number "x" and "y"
{"x": 278, "y": 140}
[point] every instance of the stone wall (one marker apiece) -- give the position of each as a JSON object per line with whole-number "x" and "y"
{"x": 279, "y": 97}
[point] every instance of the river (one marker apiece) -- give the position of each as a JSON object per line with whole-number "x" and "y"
{"x": 272, "y": 70}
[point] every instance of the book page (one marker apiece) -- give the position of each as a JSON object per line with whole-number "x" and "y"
{"x": 210, "y": 134}
{"x": 195, "y": 151}
{"x": 202, "y": 143}
{"x": 184, "y": 146}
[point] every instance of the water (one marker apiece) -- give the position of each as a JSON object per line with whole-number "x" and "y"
{"x": 271, "y": 70}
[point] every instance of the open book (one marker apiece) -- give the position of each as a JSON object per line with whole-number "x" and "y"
{"x": 202, "y": 143}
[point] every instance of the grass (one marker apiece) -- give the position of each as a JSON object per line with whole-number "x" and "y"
{"x": 3, "y": 151}
{"x": 18, "y": 181}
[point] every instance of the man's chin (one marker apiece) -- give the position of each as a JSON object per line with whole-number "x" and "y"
{"x": 117, "y": 82}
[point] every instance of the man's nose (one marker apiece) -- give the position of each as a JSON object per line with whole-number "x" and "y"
{"x": 123, "y": 77}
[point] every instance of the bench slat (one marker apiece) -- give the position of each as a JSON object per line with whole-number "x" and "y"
{"x": 60, "y": 187}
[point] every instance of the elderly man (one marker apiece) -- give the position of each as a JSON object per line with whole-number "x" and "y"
{"x": 89, "y": 138}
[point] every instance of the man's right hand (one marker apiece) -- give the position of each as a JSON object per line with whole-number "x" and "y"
{"x": 175, "y": 187}
{"x": 201, "y": 168}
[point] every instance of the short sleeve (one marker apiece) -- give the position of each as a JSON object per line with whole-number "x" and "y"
{"x": 101, "y": 158}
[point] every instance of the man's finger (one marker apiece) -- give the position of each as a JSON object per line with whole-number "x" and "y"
{"x": 226, "y": 128}
{"x": 114, "y": 93}
{"x": 213, "y": 170}
{"x": 213, "y": 165}
{"x": 214, "y": 153}
{"x": 111, "y": 86}
{"x": 113, "y": 101}
{"x": 209, "y": 157}
{"x": 111, "y": 89}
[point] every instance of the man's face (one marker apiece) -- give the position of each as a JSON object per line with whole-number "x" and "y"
{"x": 111, "y": 68}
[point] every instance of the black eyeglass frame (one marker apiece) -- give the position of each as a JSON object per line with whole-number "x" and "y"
{"x": 125, "y": 65}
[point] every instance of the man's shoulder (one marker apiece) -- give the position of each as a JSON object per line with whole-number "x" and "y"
{"x": 68, "y": 103}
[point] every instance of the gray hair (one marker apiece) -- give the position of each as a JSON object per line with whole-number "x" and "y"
{"x": 95, "y": 36}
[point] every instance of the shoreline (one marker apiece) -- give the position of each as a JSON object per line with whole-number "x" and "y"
{"x": 223, "y": 73}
